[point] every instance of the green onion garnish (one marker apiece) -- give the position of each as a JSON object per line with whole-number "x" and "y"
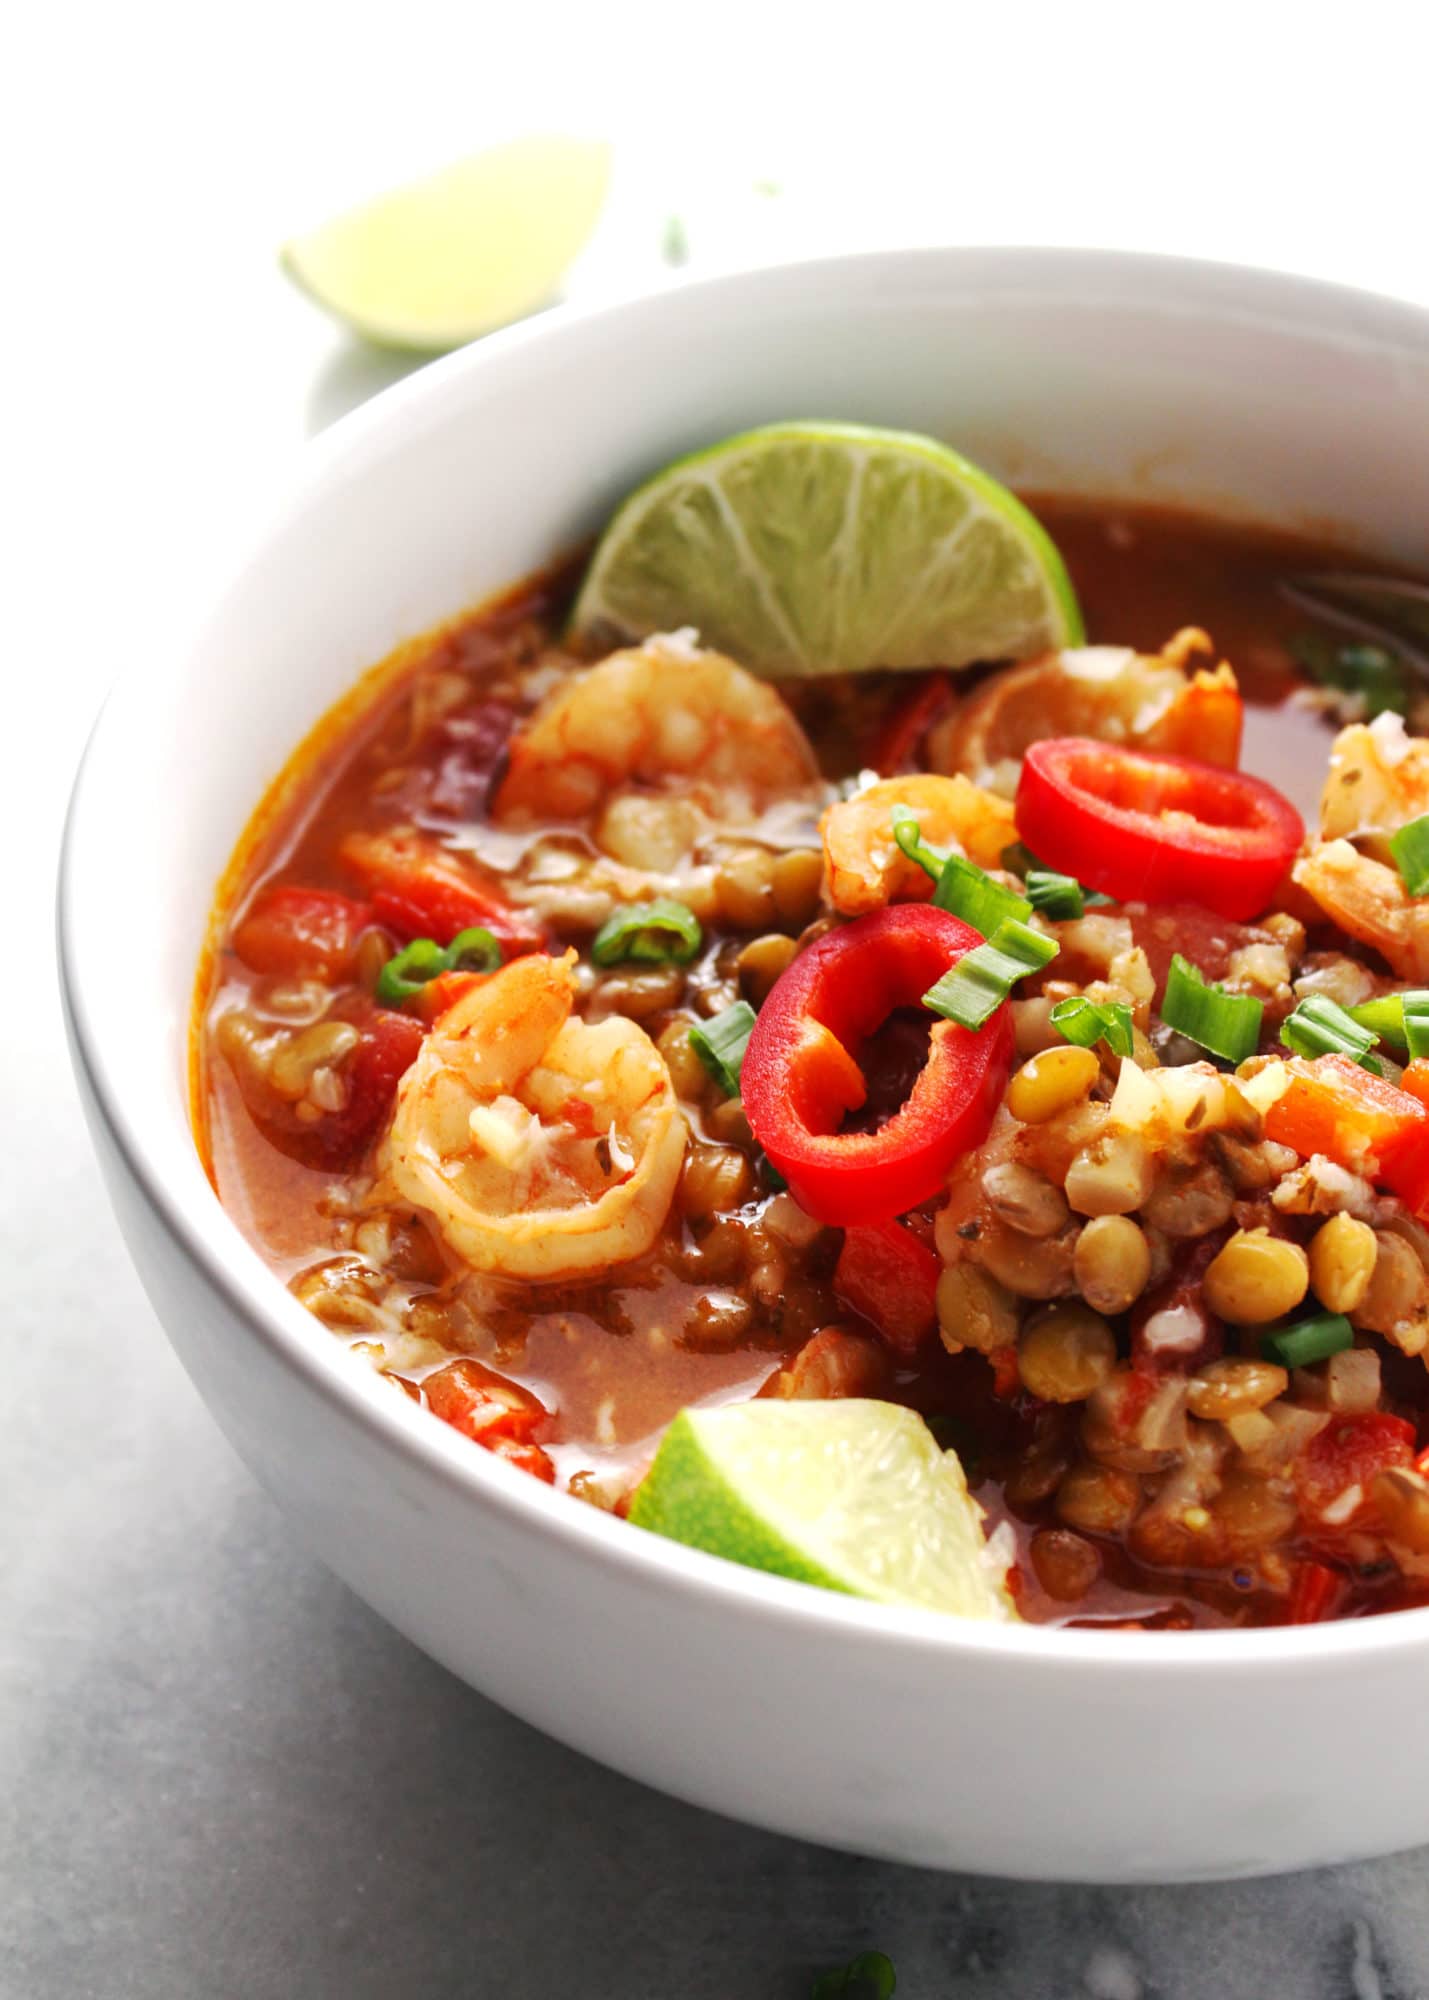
{"x": 1401, "y": 1019}
{"x": 660, "y": 933}
{"x": 1410, "y": 848}
{"x": 1313, "y": 1339}
{"x": 1228, "y": 1024}
{"x": 424, "y": 960}
{"x": 720, "y": 1044}
{"x": 1058, "y": 897}
{"x": 971, "y": 991}
{"x": 870, "y": 1976}
{"x": 475, "y": 950}
{"x": 1087, "y": 1022}
{"x": 908, "y": 832}
{"x": 966, "y": 891}
{"x": 1321, "y": 1027}
{"x": 421, "y": 961}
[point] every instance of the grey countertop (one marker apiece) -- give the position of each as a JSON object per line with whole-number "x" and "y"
{"x": 222, "y": 1777}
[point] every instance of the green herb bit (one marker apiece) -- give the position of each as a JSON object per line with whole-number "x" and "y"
{"x": 720, "y": 1044}
{"x": 660, "y": 933}
{"x": 870, "y": 1976}
{"x": 1379, "y": 677}
{"x": 474, "y": 950}
{"x": 1087, "y": 1022}
{"x": 1401, "y": 1019}
{"x": 1308, "y": 1340}
{"x": 1320, "y": 1026}
{"x": 1058, "y": 897}
{"x": 1410, "y": 848}
{"x": 971, "y": 991}
{"x": 908, "y": 832}
{"x": 1227, "y": 1024}
{"x": 966, "y": 891}
{"x": 413, "y": 968}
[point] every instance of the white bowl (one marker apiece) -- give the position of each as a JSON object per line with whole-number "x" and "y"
{"x": 1095, "y": 1756}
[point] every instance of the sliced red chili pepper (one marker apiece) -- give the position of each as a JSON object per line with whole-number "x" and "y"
{"x": 418, "y": 889}
{"x": 1161, "y": 829}
{"x": 296, "y": 933}
{"x": 801, "y": 1072}
{"x": 901, "y": 736}
{"x": 888, "y": 1276}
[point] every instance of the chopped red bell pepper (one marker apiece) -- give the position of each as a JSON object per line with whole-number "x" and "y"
{"x": 296, "y": 933}
{"x": 1157, "y": 828}
{"x": 419, "y": 889}
{"x": 494, "y": 1412}
{"x": 891, "y": 1278}
{"x": 901, "y": 736}
{"x": 1314, "y": 1591}
{"x": 801, "y": 1072}
{"x": 1359, "y": 1120}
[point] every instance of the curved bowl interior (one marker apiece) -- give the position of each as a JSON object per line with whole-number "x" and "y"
{"x": 1098, "y": 1756}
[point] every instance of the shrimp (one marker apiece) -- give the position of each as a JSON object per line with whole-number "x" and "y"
{"x": 666, "y": 717}
{"x": 540, "y": 1146}
{"x": 1378, "y": 782}
{"x": 1157, "y": 700}
{"x": 864, "y": 867}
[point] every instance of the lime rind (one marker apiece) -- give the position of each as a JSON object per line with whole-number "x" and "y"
{"x": 805, "y": 548}
{"x": 853, "y": 1496}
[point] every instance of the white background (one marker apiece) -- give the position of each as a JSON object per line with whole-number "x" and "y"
{"x": 158, "y": 373}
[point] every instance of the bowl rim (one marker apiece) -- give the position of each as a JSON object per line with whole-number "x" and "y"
{"x": 212, "y": 1242}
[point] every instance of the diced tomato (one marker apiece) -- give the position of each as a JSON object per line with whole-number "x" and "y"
{"x": 901, "y": 737}
{"x": 1171, "y": 1328}
{"x": 1355, "y": 1118}
{"x": 418, "y": 889}
{"x": 372, "y": 1072}
{"x": 1314, "y": 1593}
{"x": 888, "y": 1276}
{"x": 1160, "y": 828}
{"x": 1334, "y": 1472}
{"x": 295, "y": 933}
{"x": 494, "y": 1412}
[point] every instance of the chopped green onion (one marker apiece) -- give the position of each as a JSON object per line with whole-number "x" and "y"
{"x": 1228, "y": 1024}
{"x": 660, "y": 933}
{"x": 475, "y": 950}
{"x": 908, "y": 832}
{"x": 1401, "y": 1019}
{"x": 1058, "y": 897}
{"x": 971, "y": 991}
{"x": 1410, "y": 848}
{"x": 966, "y": 891}
{"x": 1313, "y": 1339}
{"x": 1321, "y": 1027}
{"x": 1020, "y": 860}
{"x": 720, "y": 1044}
{"x": 1087, "y": 1022}
{"x": 418, "y": 963}
{"x": 870, "y": 1976}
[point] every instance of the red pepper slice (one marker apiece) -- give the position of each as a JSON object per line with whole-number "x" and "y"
{"x": 1161, "y": 829}
{"x": 888, "y": 1276}
{"x": 801, "y": 1070}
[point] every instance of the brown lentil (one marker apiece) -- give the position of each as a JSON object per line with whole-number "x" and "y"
{"x": 794, "y": 882}
{"x": 715, "y": 1179}
{"x": 974, "y": 1310}
{"x": 762, "y": 961}
{"x": 1026, "y": 1201}
{"x": 1111, "y": 1263}
{"x": 1051, "y": 1082}
{"x": 1234, "y": 1386}
{"x": 1098, "y": 1499}
{"x": 1256, "y": 1278}
{"x": 1065, "y": 1353}
{"x": 1065, "y": 1563}
{"x": 1342, "y": 1259}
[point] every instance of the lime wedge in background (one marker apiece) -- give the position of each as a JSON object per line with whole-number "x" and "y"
{"x": 433, "y": 265}
{"x": 813, "y": 548}
{"x": 852, "y": 1495}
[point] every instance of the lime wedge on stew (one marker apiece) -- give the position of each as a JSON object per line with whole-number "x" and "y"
{"x": 435, "y": 264}
{"x": 853, "y": 1495}
{"x": 811, "y": 548}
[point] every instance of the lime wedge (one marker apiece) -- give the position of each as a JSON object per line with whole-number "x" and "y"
{"x": 852, "y": 1495}
{"x": 433, "y": 265}
{"x": 813, "y": 548}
